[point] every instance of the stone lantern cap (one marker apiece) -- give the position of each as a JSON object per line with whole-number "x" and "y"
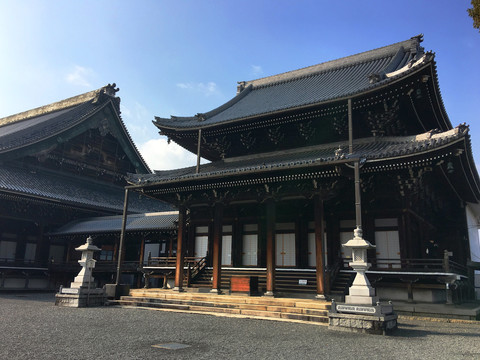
{"x": 358, "y": 242}
{"x": 88, "y": 246}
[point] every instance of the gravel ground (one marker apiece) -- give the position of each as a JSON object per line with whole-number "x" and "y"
{"x": 31, "y": 327}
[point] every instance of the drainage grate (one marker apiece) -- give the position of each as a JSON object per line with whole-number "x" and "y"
{"x": 171, "y": 346}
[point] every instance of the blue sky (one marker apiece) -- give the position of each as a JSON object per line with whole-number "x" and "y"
{"x": 184, "y": 57}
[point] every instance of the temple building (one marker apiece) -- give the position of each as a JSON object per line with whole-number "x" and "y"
{"x": 277, "y": 199}
{"x": 60, "y": 163}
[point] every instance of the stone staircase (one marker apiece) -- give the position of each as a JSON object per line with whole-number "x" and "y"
{"x": 286, "y": 309}
{"x": 341, "y": 285}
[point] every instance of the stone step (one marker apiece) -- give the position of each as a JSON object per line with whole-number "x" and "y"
{"x": 299, "y": 308}
{"x": 321, "y": 318}
{"x": 259, "y": 307}
{"x": 285, "y": 302}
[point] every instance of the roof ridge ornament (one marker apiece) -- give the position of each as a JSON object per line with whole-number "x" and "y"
{"x": 240, "y": 86}
{"x": 200, "y": 117}
{"x": 418, "y": 37}
{"x": 111, "y": 89}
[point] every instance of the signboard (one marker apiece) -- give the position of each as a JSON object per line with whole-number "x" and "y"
{"x": 69, "y": 291}
{"x": 302, "y": 282}
{"x": 356, "y": 309}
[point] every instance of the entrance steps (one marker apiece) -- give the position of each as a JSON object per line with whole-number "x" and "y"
{"x": 286, "y": 309}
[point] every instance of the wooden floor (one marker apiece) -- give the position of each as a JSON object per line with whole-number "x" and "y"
{"x": 283, "y": 309}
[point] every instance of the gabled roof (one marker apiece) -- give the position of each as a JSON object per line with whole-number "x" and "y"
{"x": 73, "y": 192}
{"x": 22, "y": 130}
{"x": 370, "y": 149}
{"x": 161, "y": 221}
{"x": 322, "y": 83}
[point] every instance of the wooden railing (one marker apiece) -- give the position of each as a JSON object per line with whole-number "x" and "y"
{"x": 8, "y": 262}
{"x": 416, "y": 265}
{"x": 166, "y": 261}
{"x": 196, "y": 265}
{"x": 331, "y": 275}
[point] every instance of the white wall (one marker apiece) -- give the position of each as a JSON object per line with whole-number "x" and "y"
{"x": 474, "y": 240}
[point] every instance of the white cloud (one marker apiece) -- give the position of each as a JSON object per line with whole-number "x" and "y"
{"x": 160, "y": 155}
{"x": 256, "y": 70}
{"x": 138, "y": 120}
{"x": 207, "y": 89}
{"x": 79, "y": 76}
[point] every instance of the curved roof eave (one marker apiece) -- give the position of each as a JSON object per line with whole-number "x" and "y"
{"x": 130, "y": 141}
{"x": 403, "y": 147}
{"x": 169, "y": 124}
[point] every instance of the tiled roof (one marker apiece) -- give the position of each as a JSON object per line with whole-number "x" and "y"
{"x": 25, "y": 132}
{"x": 59, "y": 105}
{"x": 33, "y": 126}
{"x": 73, "y": 191}
{"x": 369, "y": 148}
{"x": 108, "y": 224}
{"x": 312, "y": 85}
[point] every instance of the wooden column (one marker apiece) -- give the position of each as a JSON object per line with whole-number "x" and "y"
{"x": 43, "y": 245}
{"x": 217, "y": 248}
{"x": 319, "y": 254}
{"x": 270, "y": 214}
{"x": 142, "y": 251}
{"x": 180, "y": 260}
{"x": 140, "y": 261}
{"x": 237, "y": 243}
{"x": 21, "y": 245}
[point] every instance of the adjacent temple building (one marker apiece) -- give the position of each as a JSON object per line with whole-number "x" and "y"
{"x": 297, "y": 162}
{"x": 60, "y": 163}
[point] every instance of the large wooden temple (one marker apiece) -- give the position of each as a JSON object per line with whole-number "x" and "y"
{"x": 60, "y": 163}
{"x": 277, "y": 200}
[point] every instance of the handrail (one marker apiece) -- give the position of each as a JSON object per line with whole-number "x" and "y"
{"x": 418, "y": 265}
{"x": 23, "y": 262}
{"x": 198, "y": 267}
{"x": 331, "y": 274}
{"x": 161, "y": 261}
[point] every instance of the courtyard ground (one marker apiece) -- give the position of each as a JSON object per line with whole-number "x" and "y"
{"x": 31, "y": 327}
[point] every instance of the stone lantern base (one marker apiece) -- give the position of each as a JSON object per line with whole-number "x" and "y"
{"x": 80, "y": 297}
{"x": 378, "y": 319}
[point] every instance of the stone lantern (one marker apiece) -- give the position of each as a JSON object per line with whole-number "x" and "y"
{"x": 361, "y": 312}
{"x": 361, "y": 292}
{"x": 80, "y": 293}
{"x": 84, "y": 277}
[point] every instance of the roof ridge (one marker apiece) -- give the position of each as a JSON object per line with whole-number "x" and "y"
{"x": 59, "y": 105}
{"x": 336, "y": 63}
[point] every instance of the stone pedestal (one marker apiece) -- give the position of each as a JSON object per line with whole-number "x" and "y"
{"x": 80, "y": 297}
{"x": 80, "y": 293}
{"x": 377, "y": 325}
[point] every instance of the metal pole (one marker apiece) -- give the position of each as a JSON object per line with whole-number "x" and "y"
{"x": 358, "y": 201}
{"x": 198, "y": 149}
{"x": 122, "y": 238}
{"x": 350, "y": 127}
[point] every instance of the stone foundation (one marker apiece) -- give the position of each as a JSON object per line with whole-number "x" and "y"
{"x": 80, "y": 297}
{"x": 379, "y": 325}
